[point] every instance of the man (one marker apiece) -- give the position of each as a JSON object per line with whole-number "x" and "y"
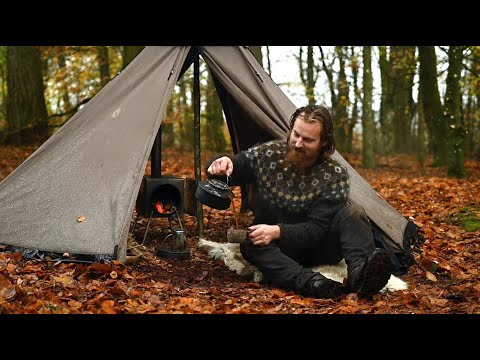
{"x": 302, "y": 217}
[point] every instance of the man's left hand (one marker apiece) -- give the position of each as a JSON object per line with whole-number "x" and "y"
{"x": 262, "y": 234}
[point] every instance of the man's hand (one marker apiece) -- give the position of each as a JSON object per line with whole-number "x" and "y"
{"x": 262, "y": 234}
{"x": 221, "y": 166}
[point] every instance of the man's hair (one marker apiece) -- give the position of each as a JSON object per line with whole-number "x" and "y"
{"x": 318, "y": 113}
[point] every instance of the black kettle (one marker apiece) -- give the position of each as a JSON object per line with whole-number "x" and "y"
{"x": 214, "y": 193}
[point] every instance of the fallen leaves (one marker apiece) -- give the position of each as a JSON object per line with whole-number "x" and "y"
{"x": 202, "y": 285}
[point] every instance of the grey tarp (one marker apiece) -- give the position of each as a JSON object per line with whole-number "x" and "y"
{"x": 93, "y": 166}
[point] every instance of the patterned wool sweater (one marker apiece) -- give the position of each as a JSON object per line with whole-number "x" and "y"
{"x": 303, "y": 205}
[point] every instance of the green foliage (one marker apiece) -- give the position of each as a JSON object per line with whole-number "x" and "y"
{"x": 469, "y": 219}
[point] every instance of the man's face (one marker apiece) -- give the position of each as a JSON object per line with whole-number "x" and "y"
{"x": 304, "y": 143}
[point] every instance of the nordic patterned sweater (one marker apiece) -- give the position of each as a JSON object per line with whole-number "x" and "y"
{"x": 303, "y": 205}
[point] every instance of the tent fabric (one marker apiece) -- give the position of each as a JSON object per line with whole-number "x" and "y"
{"x": 255, "y": 107}
{"x": 93, "y": 166}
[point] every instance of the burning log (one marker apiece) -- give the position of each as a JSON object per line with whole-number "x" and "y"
{"x": 165, "y": 208}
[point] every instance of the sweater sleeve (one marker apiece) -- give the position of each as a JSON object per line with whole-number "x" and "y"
{"x": 243, "y": 172}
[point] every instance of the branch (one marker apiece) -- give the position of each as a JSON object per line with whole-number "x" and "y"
{"x": 69, "y": 112}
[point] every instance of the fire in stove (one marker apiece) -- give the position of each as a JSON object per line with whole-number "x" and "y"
{"x": 165, "y": 208}
{"x": 161, "y": 197}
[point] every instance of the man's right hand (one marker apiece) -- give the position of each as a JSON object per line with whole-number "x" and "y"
{"x": 221, "y": 166}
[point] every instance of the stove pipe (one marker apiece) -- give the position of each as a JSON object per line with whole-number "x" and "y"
{"x": 156, "y": 156}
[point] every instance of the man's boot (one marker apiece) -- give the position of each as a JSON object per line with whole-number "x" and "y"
{"x": 320, "y": 287}
{"x": 369, "y": 277}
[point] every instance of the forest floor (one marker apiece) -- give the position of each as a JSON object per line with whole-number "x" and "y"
{"x": 150, "y": 284}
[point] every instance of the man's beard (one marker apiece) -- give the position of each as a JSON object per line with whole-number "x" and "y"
{"x": 297, "y": 158}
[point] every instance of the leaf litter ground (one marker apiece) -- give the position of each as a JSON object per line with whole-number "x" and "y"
{"x": 149, "y": 284}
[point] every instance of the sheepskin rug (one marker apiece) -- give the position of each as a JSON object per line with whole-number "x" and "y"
{"x": 233, "y": 259}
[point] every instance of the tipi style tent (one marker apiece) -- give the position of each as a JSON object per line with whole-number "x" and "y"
{"x": 93, "y": 166}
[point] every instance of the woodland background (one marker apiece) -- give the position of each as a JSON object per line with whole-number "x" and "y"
{"x": 419, "y": 149}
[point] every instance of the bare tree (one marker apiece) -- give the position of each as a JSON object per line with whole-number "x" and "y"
{"x": 308, "y": 73}
{"x": 129, "y": 53}
{"x": 431, "y": 103}
{"x": 103, "y": 65}
{"x": 368, "y": 124}
{"x": 27, "y": 116}
{"x": 386, "y": 102}
{"x": 257, "y": 52}
{"x": 403, "y": 70}
{"x": 269, "y": 64}
{"x": 453, "y": 114}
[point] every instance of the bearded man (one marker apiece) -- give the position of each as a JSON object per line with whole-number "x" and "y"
{"x": 302, "y": 215}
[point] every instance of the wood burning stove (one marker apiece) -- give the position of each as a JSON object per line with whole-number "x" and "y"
{"x": 163, "y": 196}
{"x": 165, "y": 192}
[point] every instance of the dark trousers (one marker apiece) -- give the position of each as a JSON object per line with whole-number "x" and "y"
{"x": 350, "y": 236}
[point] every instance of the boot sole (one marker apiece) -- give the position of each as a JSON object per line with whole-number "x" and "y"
{"x": 329, "y": 290}
{"x": 377, "y": 273}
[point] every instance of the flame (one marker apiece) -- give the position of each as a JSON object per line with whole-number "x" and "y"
{"x": 166, "y": 208}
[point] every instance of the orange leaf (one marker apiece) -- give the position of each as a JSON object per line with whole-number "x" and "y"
{"x": 80, "y": 218}
{"x": 8, "y": 293}
{"x": 430, "y": 276}
{"x": 453, "y": 235}
{"x": 439, "y": 302}
{"x": 107, "y": 306}
{"x": 304, "y": 302}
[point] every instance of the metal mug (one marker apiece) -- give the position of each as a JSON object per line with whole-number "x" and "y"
{"x": 178, "y": 239}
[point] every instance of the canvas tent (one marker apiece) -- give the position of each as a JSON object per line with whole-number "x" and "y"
{"x": 93, "y": 166}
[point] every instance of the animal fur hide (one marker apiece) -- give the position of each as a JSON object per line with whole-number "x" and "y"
{"x": 233, "y": 259}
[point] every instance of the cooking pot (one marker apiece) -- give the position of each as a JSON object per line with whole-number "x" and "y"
{"x": 214, "y": 193}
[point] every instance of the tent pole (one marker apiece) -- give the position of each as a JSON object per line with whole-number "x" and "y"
{"x": 196, "y": 121}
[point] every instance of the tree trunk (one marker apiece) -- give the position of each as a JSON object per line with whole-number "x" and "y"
{"x": 27, "y": 116}
{"x": 403, "y": 71}
{"x": 331, "y": 86}
{"x": 472, "y": 91}
{"x": 129, "y": 53}
{"x": 3, "y": 83}
{"x": 432, "y": 106}
{"x": 341, "y": 112}
{"x": 453, "y": 114}
{"x": 269, "y": 64}
{"x": 469, "y": 120}
{"x": 368, "y": 124}
{"x": 214, "y": 119}
{"x": 104, "y": 65}
{"x": 186, "y": 114}
{"x": 356, "y": 98}
{"x": 167, "y": 126}
{"x": 257, "y": 52}
{"x": 420, "y": 143}
{"x": 476, "y": 108}
{"x": 386, "y": 103}
{"x": 308, "y": 74}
